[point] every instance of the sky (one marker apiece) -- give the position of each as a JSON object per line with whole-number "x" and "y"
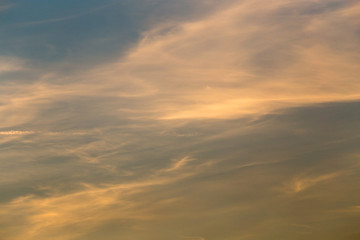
{"x": 179, "y": 119}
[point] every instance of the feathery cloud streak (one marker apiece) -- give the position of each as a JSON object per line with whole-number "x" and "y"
{"x": 239, "y": 121}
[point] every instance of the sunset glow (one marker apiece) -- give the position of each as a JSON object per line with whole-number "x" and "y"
{"x": 180, "y": 120}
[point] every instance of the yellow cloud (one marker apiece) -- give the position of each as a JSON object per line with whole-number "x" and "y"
{"x": 12, "y": 132}
{"x": 245, "y": 60}
{"x": 45, "y": 216}
{"x": 300, "y": 184}
{"x": 179, "y": 164}
{"x": 204, "y": 69}
{"x": 8, "y": 64}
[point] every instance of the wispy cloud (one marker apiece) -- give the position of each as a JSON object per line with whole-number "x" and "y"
{"x": 234, "y": 65}
{"x": 12, "y": 132}
{"x": 194, "y": 238}
{"x": 192, "y": 132}
{"x": 179, "y": 164}
{"x": 4, "y": 7}
{"x": 221, "y": 83}
{"x": 85, "y": 209}
{"x": 300, "y": 184}
{"x": 8, "y": 64}
{"x": 66, "y": 18}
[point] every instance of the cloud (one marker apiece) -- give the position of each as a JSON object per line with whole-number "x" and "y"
{"x": 67, "y": 18}
{"x": 4, "y": 7}
{"x": 201, "y": 124}
{"x": 249, "y": 59}
{"x": 137, "y": 188}
{"x": 9, "y": 64}
{"x": 179, "y": 164}
{"x": 302, "y": 183}
{"x": 235, "y": 62}
{"x": 85, "y": 209}
{"x": 194, "y": 238}
{"x": 240, "y": 61}
{"x": 16, "y": 132}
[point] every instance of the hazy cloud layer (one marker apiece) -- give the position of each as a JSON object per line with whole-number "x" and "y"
{"x": 163, "y": 120}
